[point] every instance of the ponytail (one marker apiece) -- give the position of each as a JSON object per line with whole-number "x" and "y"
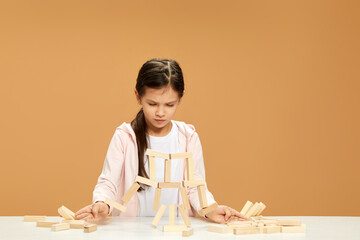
{"x": 139, "y": 127}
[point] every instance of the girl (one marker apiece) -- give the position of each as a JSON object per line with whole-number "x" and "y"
{"x": 159, "y": 89}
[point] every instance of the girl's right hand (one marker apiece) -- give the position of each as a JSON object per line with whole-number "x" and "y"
{"x": 93, "y": 212}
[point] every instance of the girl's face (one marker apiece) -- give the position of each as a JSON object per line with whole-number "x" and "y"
{"x": 159, "y": 104}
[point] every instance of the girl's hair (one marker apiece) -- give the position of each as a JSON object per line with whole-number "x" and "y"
{"x": 155, "y": 73}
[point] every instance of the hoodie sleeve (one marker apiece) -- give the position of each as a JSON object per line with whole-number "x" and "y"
{"x": 194, "y": 146}
{"x": 108, "y": 180}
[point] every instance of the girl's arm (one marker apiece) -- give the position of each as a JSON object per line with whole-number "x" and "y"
{"x": 108, "y": 180}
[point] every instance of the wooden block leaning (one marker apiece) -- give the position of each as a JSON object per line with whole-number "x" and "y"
{"x": 158, "y": 215}
{"x": 184, "y": 215}
{"x": 33, "y": 218}
{"x": 190, "y": 168}
{"x": 185, "y": 198}
{"x": 202, "y": 196}
{"x": 246, "y": 207}
{"x": 172, "y": 214}
{"x": 132, "y": 190}
{"x": 252, "y": 210}
{"x": 116, "y": 205}
{"x": 208, "y": 209}
{"x": 146, "y": 181}
{"x": 66, "y": 213}
{"x": 158, "y": 154}
{"x": 152, "y": 168}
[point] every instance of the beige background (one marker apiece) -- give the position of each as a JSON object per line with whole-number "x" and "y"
{"x": 272, "y": 88}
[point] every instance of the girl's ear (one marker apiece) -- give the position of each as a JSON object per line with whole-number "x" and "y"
{"x": 137, "y": 96}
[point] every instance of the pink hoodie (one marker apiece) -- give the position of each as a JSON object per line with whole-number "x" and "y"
{"x": 121, "y": 168}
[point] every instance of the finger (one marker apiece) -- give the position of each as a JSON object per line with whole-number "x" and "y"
{"x": 95, "y": 210}
{"x": 89, "y": 218}
{"x": 83, "y": 215}
{"x": 86, "y": 209}
{"x": 227, "y": 213}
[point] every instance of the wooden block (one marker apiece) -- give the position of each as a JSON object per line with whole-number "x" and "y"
{"x": 219, "y": 228}
{"x": 180, "y": 155}
{"x": 289, "y": 222}
{"x": 157, "y": 199}
{"x": 158, "y": 215}
{"x": 174, "y": 228}
{"x": 188, "y": 232}
{"x": 33, "y": 218}
{"x": 116, "y": 205}
{"x": 90, "y": 228}
{"x": 172, "y": 214}
{"x": 194, "y": 182}
{"x": 60, "y": 227}
{"x": 271, "y": 229}
{"x": 245, "y": 230}
{"x": 190, "y": 168}
{"x": 75, "y": 223}
{"x": 184, "y": 215}
{"x": 208, "y": 209}
{"x": 261, "y": 209}
{"x": 294, "y": 229}
{"x": 152, "y": 168}
{"x": 246, "y": 207}
{"x": 167, "y": 171}
{"x": 66, "y": 213}
{"x": 185, "y": 198}
{"x": 169, "y": 184}
{"x": 158, "y": 154}
{"x": 45, "y": 223}
{"x": 132, "y": 190}
{"x": 240, "y": 223}
{"x": 146, "y": 181}
{"x": 202, "y": 196}
{"x": 252, "y": 210}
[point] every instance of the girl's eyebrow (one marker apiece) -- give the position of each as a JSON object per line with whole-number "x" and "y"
{"x": 167, "y": 102}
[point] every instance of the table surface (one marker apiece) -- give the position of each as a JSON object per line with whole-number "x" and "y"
{"x": 317, "y": 227}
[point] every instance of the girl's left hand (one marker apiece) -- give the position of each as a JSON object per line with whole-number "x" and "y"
{"x": 225, "y": 214}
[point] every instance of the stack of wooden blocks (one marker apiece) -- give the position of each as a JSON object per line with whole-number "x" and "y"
{"x": 190, "y": 181}
{"x": 256, "y": 223}
{"x": 67, "y": 222}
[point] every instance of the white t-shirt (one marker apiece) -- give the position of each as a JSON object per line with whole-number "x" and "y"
{"x": 167, "y": 144}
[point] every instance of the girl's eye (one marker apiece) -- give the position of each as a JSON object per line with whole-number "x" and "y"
{"x": 171, "y": 105}
{"x": 151, "y": 104}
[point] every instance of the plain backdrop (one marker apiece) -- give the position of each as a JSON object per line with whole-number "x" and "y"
{"x": 272, "y": 88}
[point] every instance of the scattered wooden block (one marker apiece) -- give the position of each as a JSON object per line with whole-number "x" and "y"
{"x": 66, "y": 213}
{"x": 245, "y": 230}
{"x": 246, "y": 207}
{"x": 75, "y": 223}
{"x": 171, "y": 214}
{"x": 184, "y": 215}
{"x": 294, "y": 229}
{"x": 146, "y": 181}
{"x": 219, "y": 228}
{"x": 152, "y": 168}
{"x": 202, "y": 196}
{"x": 158, "y": 215}
{"x": 45, "y": 223}
{"x": 208, "y": 209}
{"x": 188, "y": 232}
{"x": 269, "y": 222}
{"x": 116, "y": 205}
{"x": 289, "y": 222}
{"x": 169, "y": 184}
{"x": 167, "y": 171}
{"x": 33, "y": 218}
{"x": 60, "y": 227}
{"x": 157, "y": 199}
{"x": 132, "y": 190}
{"x": 90, "y": 228}
{"x": 180, "y": 155}
{"x": 261, "y": 209}
{"x": 194, "y": 182}
{"x": 190, "y": 169}
{"x": 271, "y": 229}
{"x": 252, "y": 210}
{"x": 185, "y": 198}
{"x": 158, "y": 154}
{"x": 240, "y": 223}
{"x": 174, "y": 228}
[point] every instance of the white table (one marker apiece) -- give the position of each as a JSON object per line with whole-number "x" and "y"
{"x": 318, "y": 228}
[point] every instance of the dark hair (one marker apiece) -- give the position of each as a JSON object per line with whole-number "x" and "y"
{"x": 155, "y": 73}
